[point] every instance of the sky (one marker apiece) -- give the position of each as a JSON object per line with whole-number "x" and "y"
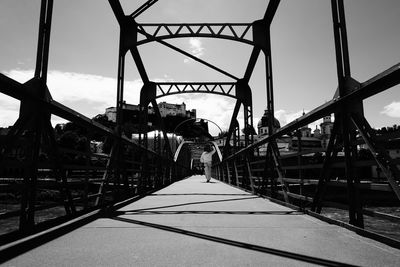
{"x": 84, "y": 55}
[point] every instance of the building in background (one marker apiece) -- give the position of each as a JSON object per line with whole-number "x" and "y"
{"x": 326, "y": 131}
{"x": 310, "y": 140}
{"x": 131, "y": 112}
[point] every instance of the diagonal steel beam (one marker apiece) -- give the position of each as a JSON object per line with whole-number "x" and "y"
{"x": 188, "y": 55}
{"x": 268, "y": 17}
{"x": 384, "y": 161}
{"x": 278, "y": 167}
{"x": 252, "y": 63}
{"x": 271, "y": 11}
{"x": 124, "y": 23}
{"x": 18, "y": 91}
{"x": 143, "y": 8}
{"x": 139, "y": 64}
{"x": 232, "y": 126}
{"x": 118, "y": 11}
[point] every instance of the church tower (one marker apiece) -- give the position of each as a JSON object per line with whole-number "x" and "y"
{"x": 326, "y": 130}
{"x": 262, "y": 125}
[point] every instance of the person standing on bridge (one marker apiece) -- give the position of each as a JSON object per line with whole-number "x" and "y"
{"x": 206, "y": 159}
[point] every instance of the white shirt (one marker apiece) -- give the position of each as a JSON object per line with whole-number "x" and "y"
{"x": 207, "y": 156}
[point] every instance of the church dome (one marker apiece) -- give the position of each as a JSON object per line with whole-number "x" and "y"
{"x": 265, "y": 120}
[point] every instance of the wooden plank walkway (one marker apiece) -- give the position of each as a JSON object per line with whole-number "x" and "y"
{"x": 193, "y": 223}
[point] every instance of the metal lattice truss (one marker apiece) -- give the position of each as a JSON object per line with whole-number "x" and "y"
{"x": 134, "y": 34}
{"x": 240, "y": 32}
{"x": 224, "y": 89}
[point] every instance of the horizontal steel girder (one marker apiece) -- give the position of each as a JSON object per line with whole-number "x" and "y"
{"x": 240, "y": 32}
{"x": 225, "y": 89}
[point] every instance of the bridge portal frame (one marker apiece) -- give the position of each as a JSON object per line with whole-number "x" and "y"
{"x": 37, "y": 105}
{"x": 350, "y": 117}
{"x": 260, "y": 40}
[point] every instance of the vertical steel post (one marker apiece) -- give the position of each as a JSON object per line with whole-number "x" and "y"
{"x": 42, "y": 56}
{"x": 300, "y": 163}
{"x": 27, "y": 216}
{"x": 120, "y": 87}
{"x": 249, "y": 174}
{"x": 343, "y": 73}
{"x": 228, "y": 173}
{"x": 118, "y": 164}
{"x": 278, "y": 169}
{"x": 37, "y": 118}
{"x": 232, "y": 128}
{"x": 331, "y": 152}
{"x": 269, "y": 83}
{"x": 246, "y": 126}
{"x": 235, "y": 172}
{"x": 270, "y": 170}
{"x": 223, "y": 173}
{"x": 163, "y": 128}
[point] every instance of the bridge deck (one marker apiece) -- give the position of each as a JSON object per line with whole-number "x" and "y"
{"x": 193, "y": 223}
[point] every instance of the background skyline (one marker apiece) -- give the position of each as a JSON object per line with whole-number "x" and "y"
{"x": 84, "y": 54}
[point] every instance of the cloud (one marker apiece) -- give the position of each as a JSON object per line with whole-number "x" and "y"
{"x": 392, "y": 110}
{"x": 70, "y": 86}
{"x": 285, "y": 117}
{"x": 87, "y": 94}
{"x": 196, "y": 46}
{"x": 196, "y": 49}
{"x": 9, "y": 110}
{"x": 92, "y": 94}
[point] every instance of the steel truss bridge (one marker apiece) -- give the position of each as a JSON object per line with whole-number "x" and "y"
{"x": 84, "y": 182}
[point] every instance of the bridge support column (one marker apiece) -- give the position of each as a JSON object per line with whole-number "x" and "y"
{"x": 344, "y": 131}
{"x": 346, "y": 86}
{"x": 243, "y": 93}
{"x": 232, "y": 127}
{"x": 32, "y": 136}
{"x": 263, "y": 40}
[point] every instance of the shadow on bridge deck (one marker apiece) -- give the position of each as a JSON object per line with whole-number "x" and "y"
{"x": 194, "y": 223}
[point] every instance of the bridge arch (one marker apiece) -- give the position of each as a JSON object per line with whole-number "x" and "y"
{"x": 184, "y": 144}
